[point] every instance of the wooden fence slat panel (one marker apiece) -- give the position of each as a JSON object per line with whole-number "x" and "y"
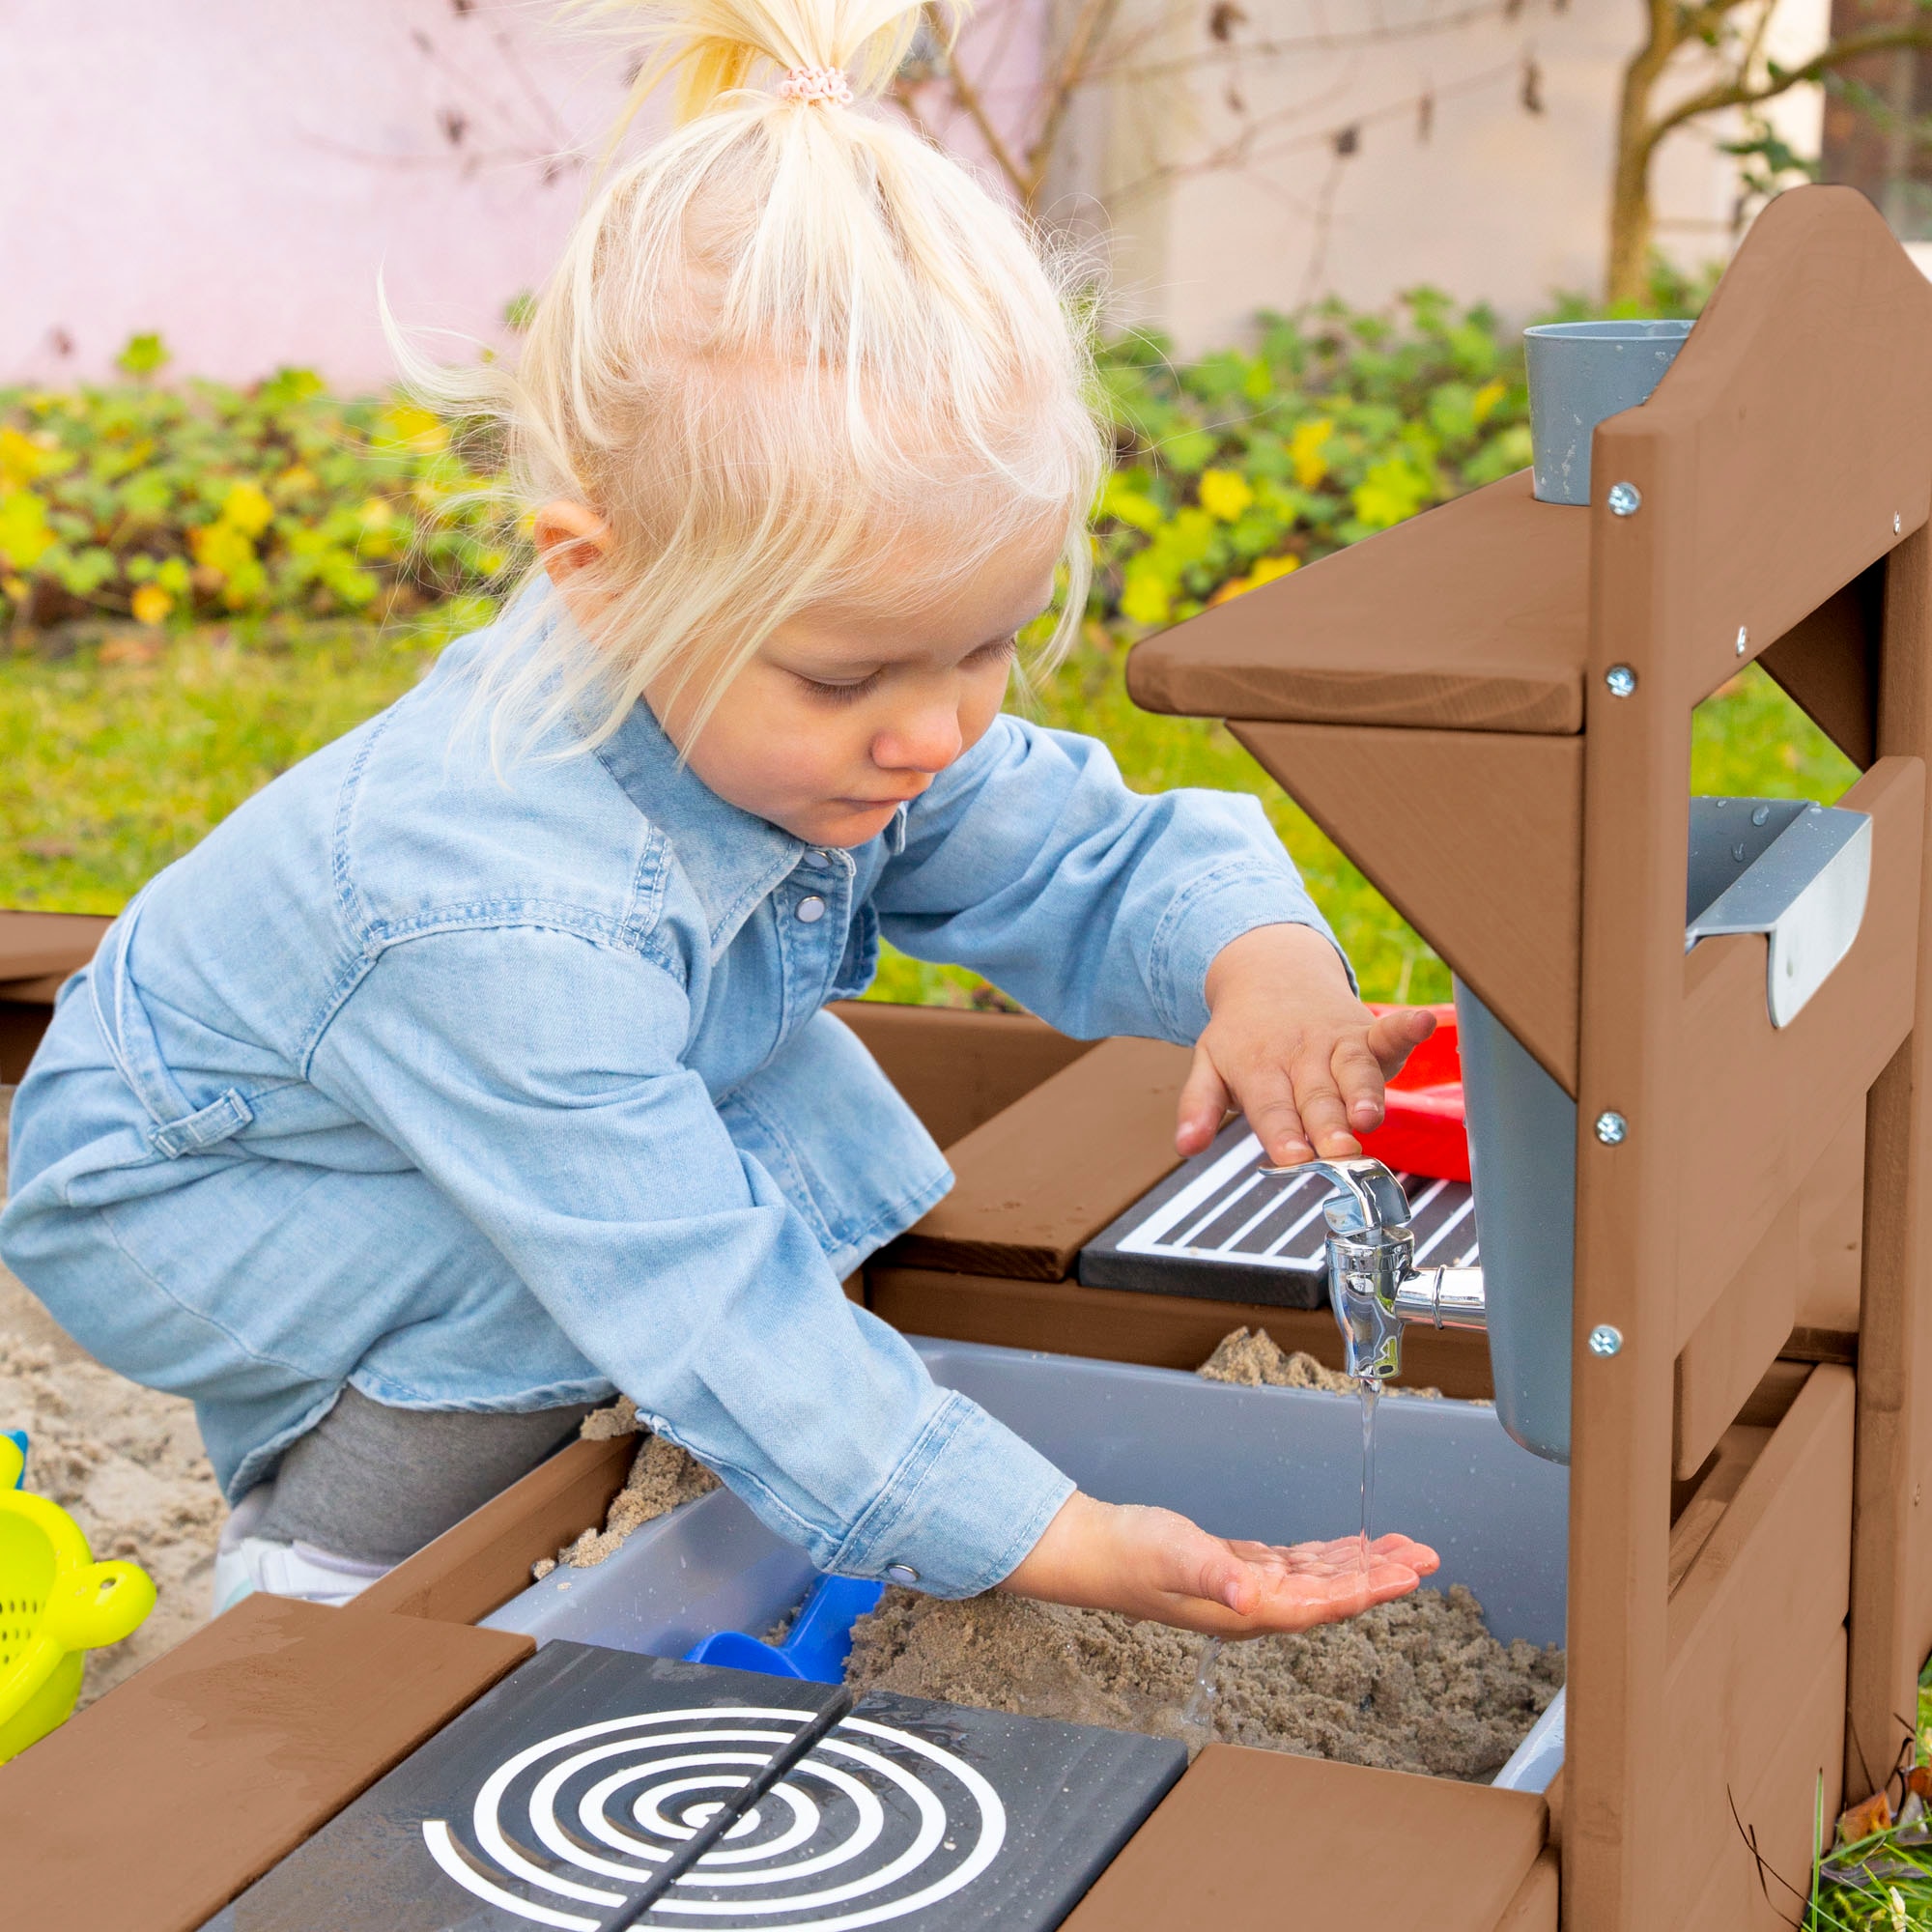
{"x": 1748, "y": 1620}
{"x": 1781, "y": 1809}
{"x": 1762, "y": 1103}
{"x": 1725, "y": 1357}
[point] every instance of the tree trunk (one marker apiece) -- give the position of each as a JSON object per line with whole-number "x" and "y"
{"x": 1627, "y": 273}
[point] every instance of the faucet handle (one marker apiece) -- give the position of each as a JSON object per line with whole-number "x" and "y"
{"x": 1368, "y": 1197}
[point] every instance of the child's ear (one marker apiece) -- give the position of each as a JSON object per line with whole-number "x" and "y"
{"x": 568, "y": 535}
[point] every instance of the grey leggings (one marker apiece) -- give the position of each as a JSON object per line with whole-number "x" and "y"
{"x": 376, "y": 1484}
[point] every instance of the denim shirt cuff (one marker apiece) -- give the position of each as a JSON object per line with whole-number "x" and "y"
{"x": 1216, "y": 909}
{"x": 963, "y": 1508}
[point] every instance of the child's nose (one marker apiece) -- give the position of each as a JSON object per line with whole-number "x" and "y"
{"x": 926, "y": 740}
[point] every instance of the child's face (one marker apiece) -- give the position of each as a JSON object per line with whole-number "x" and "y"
{"x": 844, "y": 715}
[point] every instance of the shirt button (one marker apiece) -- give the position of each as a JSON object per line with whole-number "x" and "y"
{"x": 816, "y": 860}
{"x": 902, "y": 1573}
{"x": 810, "y": 910}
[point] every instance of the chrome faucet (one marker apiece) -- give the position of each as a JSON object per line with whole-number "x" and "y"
{"x": 1374, "y": 1283}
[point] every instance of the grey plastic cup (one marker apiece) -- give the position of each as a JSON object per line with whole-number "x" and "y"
{"x": 1579, "y": 374}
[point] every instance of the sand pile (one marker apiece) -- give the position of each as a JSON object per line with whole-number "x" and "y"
{"x": 124, "y": 1462}
{"x": 1254, "y": 1359}
{"x": 662, "y": 1476}
{"x": 1418, "y": 1685}
{"x": 127, "y": 1465}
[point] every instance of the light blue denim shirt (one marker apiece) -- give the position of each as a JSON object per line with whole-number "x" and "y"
{"x": 491, "y": 1094}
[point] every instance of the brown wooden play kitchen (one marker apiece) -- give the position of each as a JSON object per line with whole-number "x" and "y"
{"x": 1489, "y": 709}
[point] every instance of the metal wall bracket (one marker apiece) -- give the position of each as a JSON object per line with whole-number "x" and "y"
{"x": 1799, "y": 873}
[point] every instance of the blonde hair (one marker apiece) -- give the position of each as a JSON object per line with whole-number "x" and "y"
{"x": 788, "y": 342}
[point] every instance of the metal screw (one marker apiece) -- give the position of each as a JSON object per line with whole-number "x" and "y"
{"x": 1625, "y": 499}
{"x": 1621, "y": 679}
{"x": 1611, "y": 1127}
{"x": 1606, "y": 1340}
{"x": 1744, "y": 640}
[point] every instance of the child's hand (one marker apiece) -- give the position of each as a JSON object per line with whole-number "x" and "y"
{"x": 1293, "y": 1047}
{"x": 1153, "y": 1563}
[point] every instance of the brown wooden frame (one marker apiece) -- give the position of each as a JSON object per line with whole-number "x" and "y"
{"x": 1783, "y": 468}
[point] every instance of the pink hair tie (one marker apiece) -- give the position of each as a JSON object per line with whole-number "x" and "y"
{"x": 807, "y": 84}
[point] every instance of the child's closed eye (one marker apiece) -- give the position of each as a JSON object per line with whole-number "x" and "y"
{"x": 999, "y": 650}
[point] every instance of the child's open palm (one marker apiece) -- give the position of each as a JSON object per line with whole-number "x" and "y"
{"x": 1154, "y": 1563}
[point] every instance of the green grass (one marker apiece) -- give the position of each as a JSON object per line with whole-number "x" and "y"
{"x": 117, "y": 759}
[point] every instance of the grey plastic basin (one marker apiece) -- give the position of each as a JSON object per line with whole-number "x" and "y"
{"x": 1277, "y": 1465}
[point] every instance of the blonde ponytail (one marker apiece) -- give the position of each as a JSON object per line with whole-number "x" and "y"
{"x": 789, "y": 344}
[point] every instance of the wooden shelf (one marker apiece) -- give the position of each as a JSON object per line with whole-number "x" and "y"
{"x": 1472, "y": 617}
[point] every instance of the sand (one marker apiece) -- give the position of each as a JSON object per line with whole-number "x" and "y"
{"x": 1418, "y": 1685}
{"x": 662, "y": 1476}
{"x": 125, "y": 1461}
{"x": 1254, "y": 1359}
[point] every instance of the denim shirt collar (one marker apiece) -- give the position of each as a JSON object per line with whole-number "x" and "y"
{"x": 732, "y": 857}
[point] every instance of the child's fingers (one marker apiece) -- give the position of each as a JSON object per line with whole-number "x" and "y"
{"x": 1203, "y": 1102}
{"x": 1324, "y": 1115}
{"x": 1394, "y": 1037}
{"x": 1268, "y": 1100}
{"x": 1358, "y": 1075}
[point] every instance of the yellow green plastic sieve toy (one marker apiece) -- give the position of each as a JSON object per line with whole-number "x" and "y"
{"x": 55, "y": 1603}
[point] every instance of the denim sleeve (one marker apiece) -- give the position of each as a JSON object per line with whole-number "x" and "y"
{"x": 535, "y": 1078}
{"x": 1101, "y": 910}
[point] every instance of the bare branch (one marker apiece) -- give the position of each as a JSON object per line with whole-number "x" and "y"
{"x": 1741, "y": 93}
{"x": 1093, "y": 21}
{"x": 1245, "y": 51}
{"x": 967, "y": 95}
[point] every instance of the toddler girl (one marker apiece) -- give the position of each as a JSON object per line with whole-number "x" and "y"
{"x": 480, "y": 1066}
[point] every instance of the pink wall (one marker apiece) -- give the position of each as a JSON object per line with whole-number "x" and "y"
{"x": 235, "y": 173}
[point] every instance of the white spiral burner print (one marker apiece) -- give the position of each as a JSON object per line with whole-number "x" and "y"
{"x": 609, "y": 1801}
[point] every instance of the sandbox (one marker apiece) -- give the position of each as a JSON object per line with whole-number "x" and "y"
{"x": 1278, "y": 1463}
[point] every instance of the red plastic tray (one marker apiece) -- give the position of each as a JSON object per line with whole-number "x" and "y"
{"x": 1423, "y": 1132}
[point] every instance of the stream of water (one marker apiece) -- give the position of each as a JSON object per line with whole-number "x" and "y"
{"x": 1198, "y": 1713}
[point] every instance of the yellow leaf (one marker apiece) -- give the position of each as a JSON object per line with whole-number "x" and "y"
{"x": 1120, "y": 500}
{"x": 23, "y": 457}
{"x": 1266, "y": 569}
{"x": 247, "y": 509}
{"x": 25, "y": 535}
{"x": 1487, "y": 398}
{"x": 1225, "y": 493}
{"x": 1304, "y": 451}
{"x": 1145, "y": 598}
{"x": 222, "y": 547}
{"x": 414, "y": 428}
{"x": 151, "y": 603}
